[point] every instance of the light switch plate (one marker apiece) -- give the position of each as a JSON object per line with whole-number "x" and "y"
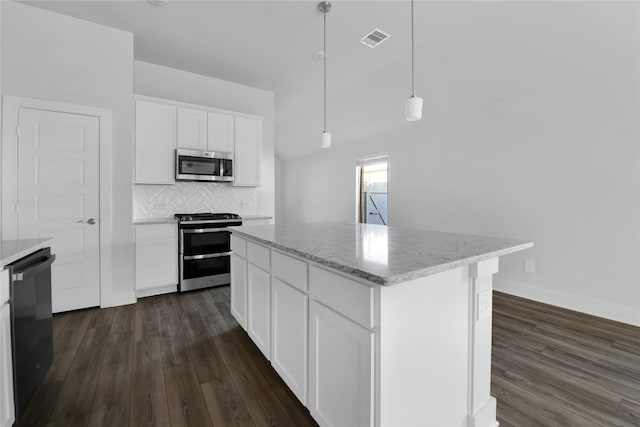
{"x": 485, "y": 299}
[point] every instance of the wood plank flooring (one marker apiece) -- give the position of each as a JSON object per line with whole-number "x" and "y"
{"x": 555, "y": 367}
{"x": 182, "y": 360}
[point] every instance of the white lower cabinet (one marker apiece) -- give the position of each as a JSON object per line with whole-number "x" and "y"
{"x": 259, "y": 308}
{"x": 239, "y": 289}
{"x": 156, "y": 257}
{"x": 341, "y": 366}
{"x": 7, "y": 409}
{"x": 325, "y": 355}
{"x": 289, "y": 337}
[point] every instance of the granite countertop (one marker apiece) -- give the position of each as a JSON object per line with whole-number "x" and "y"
{"x": 379, "y": 254}
{"x": 142, "y": 221}
{"x": 13, "y": 250}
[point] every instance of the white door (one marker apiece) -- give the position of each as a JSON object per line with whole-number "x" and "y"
{"x": 289, "y": 336}
{"x": 221, "y": 133}
{"x": 340, "y": 369}
{"x": 192, "y": 129}
{"x": 258, "y": 308}
{"x": 248, "y": 152}
{"x": 239, "y": 289}
{"x": 58, "y": 196}
{"x": 155, "y": 142}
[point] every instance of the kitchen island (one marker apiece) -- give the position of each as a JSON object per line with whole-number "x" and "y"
{"x": 371, "y": 325}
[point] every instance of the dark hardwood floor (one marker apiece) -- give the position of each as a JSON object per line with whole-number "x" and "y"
{"x": 555, "y": 367}
{"x": 182, "y": 360}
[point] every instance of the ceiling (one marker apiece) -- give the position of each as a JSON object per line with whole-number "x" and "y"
{"x": 464, "y": 51}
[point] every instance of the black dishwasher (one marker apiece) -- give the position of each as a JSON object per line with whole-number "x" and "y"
{"x": 31, "y": 324}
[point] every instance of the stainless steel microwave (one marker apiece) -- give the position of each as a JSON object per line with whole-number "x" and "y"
{"x": 194, "y": 165}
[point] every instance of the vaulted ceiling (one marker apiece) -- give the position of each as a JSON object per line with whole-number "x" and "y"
{"x": 464, "y": 51}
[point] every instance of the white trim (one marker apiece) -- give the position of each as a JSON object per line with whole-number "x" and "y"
{"x": 141, "y": 293}
{"x": 616, "y": 312}
{"x": 196, "y": 107}
{"x": 123, "y": 298}
{"x": 9, "y": 182}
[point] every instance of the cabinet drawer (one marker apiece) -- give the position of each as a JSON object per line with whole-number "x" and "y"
{"x": 258, "y": 255}
{"x": 154, "y": 231}
{"x": 348, "y": 297}
{"x": 289, "y": 270}
{"x": 239, "y": 246}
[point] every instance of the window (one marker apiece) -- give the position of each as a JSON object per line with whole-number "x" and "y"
{"x": 372, "y": 178}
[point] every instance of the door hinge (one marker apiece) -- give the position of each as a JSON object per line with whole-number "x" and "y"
{"x": 17, "y": 208}
{"x": 18, "y": 130}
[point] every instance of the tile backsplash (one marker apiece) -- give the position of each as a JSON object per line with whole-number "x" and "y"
{"x": 162, "y": 201}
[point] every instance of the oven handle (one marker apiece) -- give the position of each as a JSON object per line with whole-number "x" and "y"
{"x": 204, "y": 230}
{"x": 190, "y": 257}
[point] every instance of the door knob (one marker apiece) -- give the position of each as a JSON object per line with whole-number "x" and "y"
{"x": 90, "y": 221}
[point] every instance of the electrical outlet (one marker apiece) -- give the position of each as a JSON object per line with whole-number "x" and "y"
{"x": 529, "y": 266}
{"x": 244, "y": 204}
{"x": 484, "y": 304}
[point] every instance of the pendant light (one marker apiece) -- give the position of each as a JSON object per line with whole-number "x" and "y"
{"x": 413, "y": 105}
{"x": 325, "y": 140}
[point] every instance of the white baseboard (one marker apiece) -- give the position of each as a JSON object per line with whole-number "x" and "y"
{"x": 619, "y": 313}
{"x": 156, "y": 291}
{"x": 123, "y": 298}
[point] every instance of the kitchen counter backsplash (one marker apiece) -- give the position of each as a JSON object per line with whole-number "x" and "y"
{"x": 162, "y": 201}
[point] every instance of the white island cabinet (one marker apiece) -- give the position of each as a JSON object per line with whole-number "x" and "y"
{"x": 7, "y": 409}
{"x": 373, "y": 325}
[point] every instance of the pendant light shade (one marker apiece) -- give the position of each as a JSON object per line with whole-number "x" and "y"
{"x": 325, "y": 139}
{"x": 413, "y": 109}
{"x": 413, "y": 105}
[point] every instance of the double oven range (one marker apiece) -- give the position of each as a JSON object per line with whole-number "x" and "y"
{"x": 205, "y": 249}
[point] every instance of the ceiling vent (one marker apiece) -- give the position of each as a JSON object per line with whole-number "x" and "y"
{"x": 374, "y": 38}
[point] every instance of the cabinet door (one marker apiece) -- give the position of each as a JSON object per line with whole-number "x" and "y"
{"x": 259, "y": 308}
{"x": 7, "y": 410}
{"x": 221, "y": 134}
{"x": 192, "y": 129}
{"x": 239, "y": 290}
{"x": 340, "y": 369}
{"x": 156, "y": 255}
{"x": 155, "y": 142}
{"x": 248, "y": 152}
{"x": 289, "y": 336}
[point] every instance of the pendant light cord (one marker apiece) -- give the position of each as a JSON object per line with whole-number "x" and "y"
{"x": 413, "y": 73}
{"x": 325, "y": 69}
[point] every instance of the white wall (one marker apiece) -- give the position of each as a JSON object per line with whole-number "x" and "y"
{"x": 59, "y": 58}
{"x": 177, "y": 85}
{"x": 557, "y": 164}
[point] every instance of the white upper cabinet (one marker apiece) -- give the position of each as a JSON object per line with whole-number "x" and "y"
{"x": 248, "y": 152}
{"x": 192, "y": 129}
{"x": 155, "y": 142}
{"x": 221, "y": 134}
{"x": 163, "y": 125}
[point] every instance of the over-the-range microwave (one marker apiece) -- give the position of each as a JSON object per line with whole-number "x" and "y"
{"x": 195, "y": 165}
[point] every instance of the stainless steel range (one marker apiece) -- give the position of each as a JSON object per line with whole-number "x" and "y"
{"x": 205, "y": 249}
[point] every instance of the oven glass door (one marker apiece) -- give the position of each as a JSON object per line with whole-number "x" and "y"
{"x": 205, "y": 241}
{"x": 200, "y": 166}
{"x": 194, "y": 268}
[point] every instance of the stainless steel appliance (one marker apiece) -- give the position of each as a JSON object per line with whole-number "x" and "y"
{"x": 194, "y": 165}
{"x": 31, "y": 324}
{"x": 205, "y": 249}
